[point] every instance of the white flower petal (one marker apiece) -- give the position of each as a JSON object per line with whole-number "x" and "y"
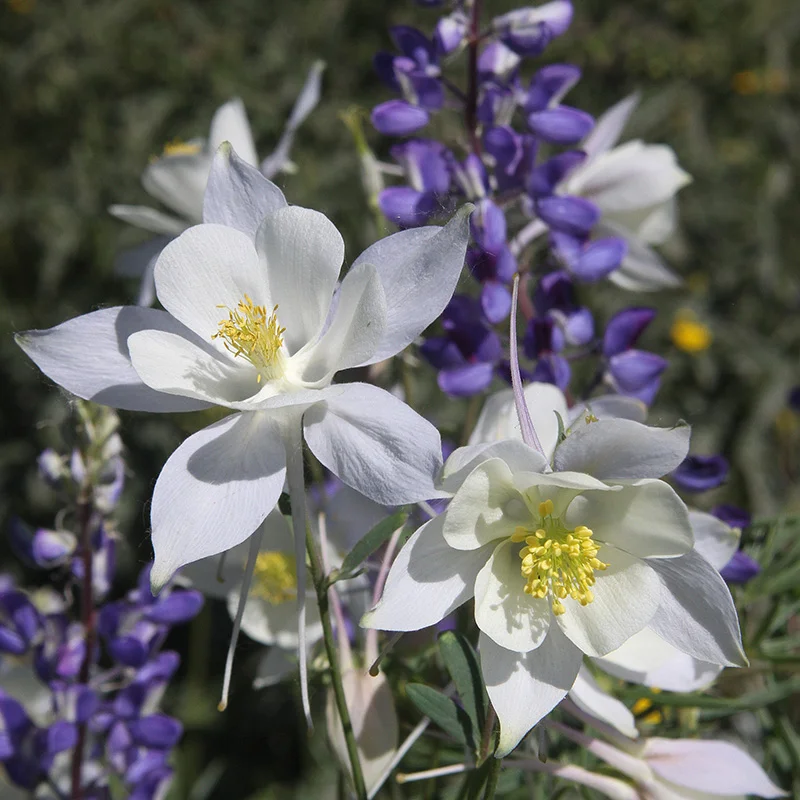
{"x": 646, "y": 519}
{"x": 306, "y": 102}
{"x": 648, "y": 660}
{"x": 355, "y": 330}
{"x": 523, "y": 687}
{"x": 632, "y": 176}
{"x": 179, "y": 181}
{"x": 713, "y": 539}
{"x": 515, "y": 453}
{"x": 215, "y": 490}
{"x": 711, "y": 766}
{"x": 626, "y": 596}
{"x": 148, "y": 219}
{"x": 176, "y": 365}
{"x": 616, "y": 406}
{"x": 487, "y": 507}
{"x": 498, "y": 418}
{"x": 589, "y": 697}
{"x": 621, "y": 449}
{"x": 230, "y": 124}
{"x": 427, "y": 581}
{"x": 206, "y": 270}
{"x": 513, "y": 619}
{"x": 375, "y": 444}
{"x": 89, "y": 357}
{"x": 275, "y": 624}
{"x": 419, "y": 269}
{"x": 238, "y": 195}
{"x": 303, "y": 254}
{"x": 608, "y": 127}
{"x": 697, "y": 614}
{"x": 642, "y": 269}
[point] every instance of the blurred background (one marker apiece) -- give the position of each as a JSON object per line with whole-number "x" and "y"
{"x": 90, "y": 90}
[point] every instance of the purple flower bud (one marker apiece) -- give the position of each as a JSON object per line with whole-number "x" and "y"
{"x": 624, "y": 329}
{"x": 51, "y": 548}
{"x": 450, "y": 32}
{"x": 161, "y": 668}
{"x": 504, "y": 145}
{"x": 178, "y": 607}
{"x": 495, "y": 301}
{"x": 466, "y": 381}
{"x": 156, "y": 783}
{"x": 549, "y": 85}
{"x": 414, "y": 45}
{"x": 542, "y": 336}
{"x": 129, "y": 650}
{"x": 741, "y": 568}
{"x": 71, "y": 653}
{"x": 426, "y": 163}
{"x": 496, "y": 61}
{"x": 406, "y": 207}
{"x": 60, "y": 736}
{"x": 733, "y": 516}
{"x": 472, "y": 178}
{"x": 578, "y": 327}
{"x": 527, "y": 31}
{"x": 546, "y": 176}
{"x": 561, "y": 125}
{"x": 442, "y": 353}
{"x": 398, "y": 118}
{"x": 488, "y": 226}
{"x": 701, "y": 473}
{"x": 599, "y": 258}
{"x": 555, "y": 290}
{"x": 157, "y": 730}
{"x": 147, "y": 763}
{"x": 11, "y": 642}
{"x": 635, "y": 369}
{"x": 572, "y": 215}
{"x": 552, "y": 368}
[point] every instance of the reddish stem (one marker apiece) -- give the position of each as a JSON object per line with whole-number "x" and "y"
{"x": 471, "y": 108}
{"x": 88, "y": 618}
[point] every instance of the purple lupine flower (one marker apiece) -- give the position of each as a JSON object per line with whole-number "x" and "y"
{"x": 527, "y": 31}
{"x": 555, "y": 298}
{"x": 629, "y": 371}
{"x": 741, "y": 568}
{"x": 701, "y": 473}
{"x": 543, "y": 342}
{"x": 427, "y": 165}
{"x": 467, "y": 354}
{"x": 20, "y": 622}
{"x": 732, "y": 515}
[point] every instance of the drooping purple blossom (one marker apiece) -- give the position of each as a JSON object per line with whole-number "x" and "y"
{"x": 701, "y": 473}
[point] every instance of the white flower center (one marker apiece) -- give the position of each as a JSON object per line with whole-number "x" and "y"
{"x": 557, "y": 561}
{"x": 275, "y": 577}
{"x": 250, "y": 333}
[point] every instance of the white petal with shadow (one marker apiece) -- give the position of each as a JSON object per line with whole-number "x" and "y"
{"x": 503, "y": 611}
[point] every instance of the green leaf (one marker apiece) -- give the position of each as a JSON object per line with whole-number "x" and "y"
{"x": 443, "y": 711}
{"x": 368, "y": 545}
{"x": 462, "y": 663}
{"x": 562, "y": 433}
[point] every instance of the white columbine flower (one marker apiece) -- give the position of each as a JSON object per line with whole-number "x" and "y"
{"x": 565, "y": 558}
{"x": 257, "y": 323}
{"x": 645, "y": 658}
{"x": 178, "y": 177}
{"x": 634, "y": 185}
{"x": 675, "y": 769}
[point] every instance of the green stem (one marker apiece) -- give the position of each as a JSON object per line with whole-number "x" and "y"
{"x": 320, "y": 585}
{"x": 491, "y": 780}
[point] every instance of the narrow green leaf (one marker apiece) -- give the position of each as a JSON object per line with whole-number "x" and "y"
{"x": 369, "y": 544}
{"x": 462, "y": 663}
{"x": 443, "y": 711}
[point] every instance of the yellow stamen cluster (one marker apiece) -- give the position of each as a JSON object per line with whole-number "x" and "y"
{"x": 644, "y": 711}
{"x": 249, "y": 333}
{"x": 275, "y": 577}
{"x": 180, "y": 148}
{"x": 556, "y": 561}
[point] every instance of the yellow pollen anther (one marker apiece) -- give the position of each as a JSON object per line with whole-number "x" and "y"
{"x": 180, "y": 148}
{"x": 558, "y": 562}
{"x": 275, "y": 577}
{"x": 689, "y": 334}
{"x": 249, "y": 333}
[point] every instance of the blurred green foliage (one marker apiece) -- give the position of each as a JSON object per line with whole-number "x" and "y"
{"x": 90, "y": 89}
